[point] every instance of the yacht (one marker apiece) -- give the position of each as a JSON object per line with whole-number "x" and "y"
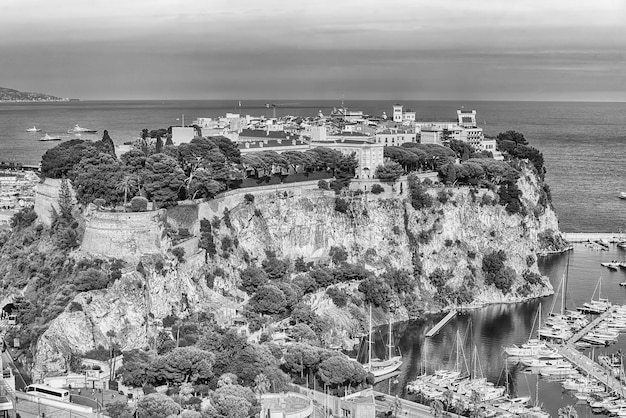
{"x": 47, "y": 137}
{"x": 33, "y": 129}
{"x": 78, "y": 130}
{"x": 622, "y": 195}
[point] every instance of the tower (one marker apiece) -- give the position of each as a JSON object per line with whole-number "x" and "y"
{"x": 397, "y": 113}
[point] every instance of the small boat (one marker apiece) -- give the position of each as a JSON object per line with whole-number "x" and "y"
{"x": 623, "y": 284}
{"x": 47, "y": 137}
{"x": 78, "y": 130}
{"x": 33, "y": 129}
{"x": 622, "y": 195}
{"x": 613, "y": 265}
{"x": 621, "y": 244}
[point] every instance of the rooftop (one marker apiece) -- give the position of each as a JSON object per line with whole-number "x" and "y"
{"x": 258, "y": 133}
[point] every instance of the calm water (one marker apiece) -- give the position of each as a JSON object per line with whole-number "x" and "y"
{"x": 489, "y": 330}
{"x": 582, "y": 142}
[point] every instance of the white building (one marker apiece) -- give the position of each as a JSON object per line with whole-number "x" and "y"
{"x": 402, "y": 116}
{"x": 369, "y": 153}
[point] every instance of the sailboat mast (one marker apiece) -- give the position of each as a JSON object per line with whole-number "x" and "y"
{"x": 565, "y": 284}
{"x": 369, "y": 348}
{"x": 390, "y": 354}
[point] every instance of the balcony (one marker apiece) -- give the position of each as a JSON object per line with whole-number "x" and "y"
{"x": 5, "y": 404}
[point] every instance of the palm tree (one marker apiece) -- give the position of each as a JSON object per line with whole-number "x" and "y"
{"x": 568, "y": 412}
{"x": 436, "y": 408}
{"x": 396, "y": 406}
{"x": 126, "y": 185}
{"x": 262, "y": 384}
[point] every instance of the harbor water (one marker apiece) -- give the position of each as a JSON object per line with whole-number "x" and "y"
{"x": 487, "y": 331}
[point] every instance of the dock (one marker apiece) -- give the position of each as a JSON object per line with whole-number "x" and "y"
{"x": 583, "y": 331}
{"x": 434, "y": 330}
{"x": 589, "y": 367}
{"x": 578, "y": 237}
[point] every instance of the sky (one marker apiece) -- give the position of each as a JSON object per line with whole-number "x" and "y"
{"x": 571, "y": 50}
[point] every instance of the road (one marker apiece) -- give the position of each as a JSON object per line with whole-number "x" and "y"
{"x": 20, "y": 383}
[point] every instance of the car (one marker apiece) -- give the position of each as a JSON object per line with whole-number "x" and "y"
{"x": 380, "y": 397}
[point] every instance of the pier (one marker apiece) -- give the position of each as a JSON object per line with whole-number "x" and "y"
{"x": 589, "y": 367}
{"x": 434, "y": 330}
{"x": 591, "y": 325}
{"x": 577, "y": 237}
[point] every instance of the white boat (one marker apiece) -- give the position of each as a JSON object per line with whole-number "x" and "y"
{"x": 47, "y": 137}
{"x": 78, "y": 130}
{"x": 381, "y": 368}
{"x": 613, "y": 265}
{"x": 33, "y": 129}
{"x": 621, "y": 244}
{"x": 622, "y": 195}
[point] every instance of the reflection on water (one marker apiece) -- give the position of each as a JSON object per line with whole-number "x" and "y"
{"x": 488, "y": 330}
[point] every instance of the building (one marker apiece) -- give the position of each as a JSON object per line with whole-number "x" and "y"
{"x": 369, "y": 153}
{"x": 395, "y": 136}
{"x": 403, "y": 116}
{"x": 182, "y": 134}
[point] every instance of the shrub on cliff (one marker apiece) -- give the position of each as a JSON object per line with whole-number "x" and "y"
{"x": 376, "y": 292}
{"x": 420, "y": 199}
{"x": 138, "y": 204}
{"x": 377, "y": 189}
{"x": 252, "y": 278}
{"x": 23, "y": 218}
{"x": 338, "y": 296}
{"x": 509, "y": 195}
{"x": 496, "y": 273}
{"x": 323, "y": 184}
{"x": 179, "y": 253}
{"x": 338, "y": 254}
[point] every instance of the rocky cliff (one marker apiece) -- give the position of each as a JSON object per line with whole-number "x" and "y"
{"x": 447, "y": 240}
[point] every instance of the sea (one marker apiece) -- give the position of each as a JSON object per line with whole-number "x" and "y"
{"x": 584, "y": 152}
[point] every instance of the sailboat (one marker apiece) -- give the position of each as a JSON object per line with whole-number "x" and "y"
{"x": 596, "y": 306}
{"x": 381, "y": 368}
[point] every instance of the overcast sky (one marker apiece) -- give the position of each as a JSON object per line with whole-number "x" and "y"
{"x": 246, "y": 49}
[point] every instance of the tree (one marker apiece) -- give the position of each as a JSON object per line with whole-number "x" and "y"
{"x": 448, "y": 398}
{"x": 119, "y": 409}
{"x": 390, "y": 171}
{"x": 268, "y": 299}
{"x": 568, "y": 411}
{"x": 376, "y": 292}
{"x": 156, "y": 405}
{"x": 206, "y": 239}
{"x": 127, "y": 185}
{"x": 261, "y": 384}
{"x": 252, "y": 278}
{"x": 106, "y": 145}
{"x": 201, "y": 184}
{"x": 66, "y": 201}
{"x": 59, "y": 162}
{"x": 235, "y": 401}
{"x": 98, "y": 177}
{"x": 187, "y": 364}
{"x": 163, "y": 179}
{"x": 138, "y": 368}
{"x": 436, "y": 408}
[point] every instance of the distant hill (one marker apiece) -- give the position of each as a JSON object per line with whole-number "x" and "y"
{"x": 11, "y": 95}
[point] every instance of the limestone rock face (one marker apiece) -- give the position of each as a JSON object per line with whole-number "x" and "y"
{"x": 132, "y": 308}
{"x": 452, "y": 235}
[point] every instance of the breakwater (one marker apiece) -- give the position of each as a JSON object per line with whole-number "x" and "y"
{"x": 576, "y": 237}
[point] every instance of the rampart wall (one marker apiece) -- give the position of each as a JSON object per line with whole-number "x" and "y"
{"x": 124, "y": 235}
{"x": 47, "y": 197}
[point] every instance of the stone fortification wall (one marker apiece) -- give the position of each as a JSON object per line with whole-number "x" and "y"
{"x": 47, "y": 197}
{"x": 124, "y": 235}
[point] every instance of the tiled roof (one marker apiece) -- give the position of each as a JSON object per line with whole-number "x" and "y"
{"x": 258, "y": 133}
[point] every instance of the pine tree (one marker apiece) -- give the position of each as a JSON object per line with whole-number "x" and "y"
{"x": 66, "y": 202}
